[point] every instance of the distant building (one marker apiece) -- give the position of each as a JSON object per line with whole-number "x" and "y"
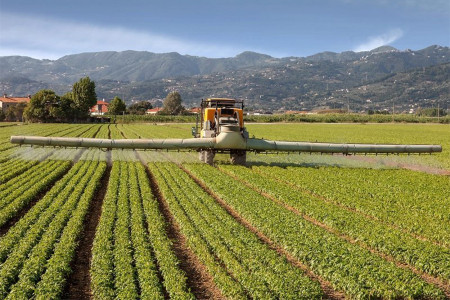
{"x": 6, "y": 101}
{"x": 100, "y": 108}
{"x": 195, "y": 110}
{"x": 153, "y": 111}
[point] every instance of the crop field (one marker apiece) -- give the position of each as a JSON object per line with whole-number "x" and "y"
{"x": 126, "y": 224}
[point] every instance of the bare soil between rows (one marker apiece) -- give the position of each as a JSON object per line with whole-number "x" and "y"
{"x": 350, "y": 209}
{"x": 199, "y": 281}
{"x": 426, "y": 277}
{"x": 5, "y": 228}
{"x": 79, "y": 282}
{"x": 326, "y": 286}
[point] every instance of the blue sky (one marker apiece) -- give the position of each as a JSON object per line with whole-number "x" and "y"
{"x": 54, "y": 28}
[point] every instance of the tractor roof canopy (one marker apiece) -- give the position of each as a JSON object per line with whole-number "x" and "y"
{"x": 221, "y": 102}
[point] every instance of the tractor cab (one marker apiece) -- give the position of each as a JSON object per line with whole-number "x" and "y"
{"x": 219, "y": 112}
{"x": 222, "y": 115}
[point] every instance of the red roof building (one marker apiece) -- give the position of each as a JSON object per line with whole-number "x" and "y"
{"x": 153, "y": 111}
{"x": 100, "y": 108}
{"x": 196, "y": 110}
{"x": 6, "y": 101}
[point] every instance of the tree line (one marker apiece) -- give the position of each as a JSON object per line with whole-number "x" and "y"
{"x": 47, "y": 106}
{"x": 74, "y": 106}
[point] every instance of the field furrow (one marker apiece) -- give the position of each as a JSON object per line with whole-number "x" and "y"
{"x": 260, "y": 270}
{"x": 423, "y": 255}
{"x": 347, "y": 266}
{"x": 39, "y": 243}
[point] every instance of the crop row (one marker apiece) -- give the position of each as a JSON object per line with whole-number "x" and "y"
{"x": 423, "y": 255}
{"x": 36, "y": 252}
{"x": 15, "y": 161}
{"x": 159, "y": 131}
{"x": 18, "y": 192}
{"x": 258, "y": 271}
{"x": 130, "y": 246}
{"x": 115, "y": 132}
{"x": 413, "y": 201}
{"x": 348, "y": 267}
{"x": 14, "y": 167}
{"x": 103, "y": 132}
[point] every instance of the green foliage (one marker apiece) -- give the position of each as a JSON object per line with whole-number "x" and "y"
{"x": 300, "y": 118}
{"x": 42, "y": 107}
{"x": 431, "y": 112}
{"x": 14, "y": 113}
{"x": 58, "y": 267}
{"x": 158, "y": 118}
{"x": 46, "y": 106}
{"x": 326, "y": 218}
{"x": 16, "y": 195}
{"x": 121, "y": 239}
{"x": 84, "y": 97}
{"x": 139, "y": 108}
{"x": 116, "y": 107}
{"x": 26, "y": 261}
{"x": 345, "y": 265}
{"x": 255, "y": 270}
{"x": 293, "y": 186}
{"x": 172, "y": 104}
{"x": 66, "y": 110}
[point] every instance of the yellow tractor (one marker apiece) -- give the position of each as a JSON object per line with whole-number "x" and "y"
{"x": 219, "y": 114}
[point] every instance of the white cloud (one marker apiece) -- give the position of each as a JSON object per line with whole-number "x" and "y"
{"x": 39, "y": 37}
{"x": 380, "y": 40}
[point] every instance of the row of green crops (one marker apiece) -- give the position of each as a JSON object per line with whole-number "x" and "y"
{"x": 26, "y": 159}
{"x": 31, "y": 130}
{"x": 14, "y": 167}
{"x": 35, "y": 253}
{"x": 103, "y": 132}
{"x": 115, "y": 132}
{"x": 18, "y": 192}
{"x": 160, "y": 131}
{"x": 414, "y": 201}
{"x": 255, "y": 270}
{"x": 147, "y": 131}
{"x": 130, "y": 248}
{"x": 348, "y": 267}
{"x": 22, "y": 178}
{"x": 423, "y": 255}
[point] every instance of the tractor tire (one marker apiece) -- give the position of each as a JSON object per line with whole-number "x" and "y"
{"x": 209, "y": 157}
{"x": 238, "y": 158}
{"x": 201, "y": 155}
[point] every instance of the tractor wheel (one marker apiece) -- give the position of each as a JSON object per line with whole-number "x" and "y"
{"x": 201, "y": 155}
{"x": 238, "y": 158}
{"x": 209, "y": 157}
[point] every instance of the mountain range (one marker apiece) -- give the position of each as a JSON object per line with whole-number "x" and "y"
{"x": 323, "y": 80}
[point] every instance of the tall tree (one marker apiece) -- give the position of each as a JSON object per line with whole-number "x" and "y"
{"x": 172, "y": 104}
{"x": 18, "y": 110}
{"x": 139, "y": 108}
{"x": 66, "y": 111}
{"x": 117, "y": 106}
{"x": 42, "y": 107}
{"x": 84, "y": 97}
